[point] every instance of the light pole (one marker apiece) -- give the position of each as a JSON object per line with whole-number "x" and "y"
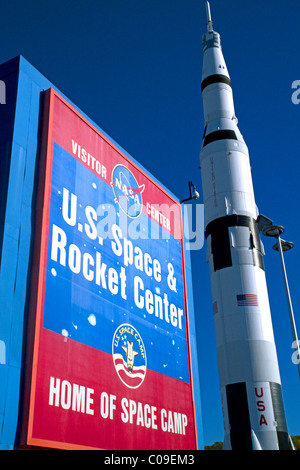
{"x": 281, "y": 246}
{"x": 193, "y": 193}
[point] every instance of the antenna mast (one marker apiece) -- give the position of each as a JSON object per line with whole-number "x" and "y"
{"x": 208, "y": 17}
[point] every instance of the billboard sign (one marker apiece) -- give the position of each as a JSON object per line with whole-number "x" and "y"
{"x": 110, "y": 363}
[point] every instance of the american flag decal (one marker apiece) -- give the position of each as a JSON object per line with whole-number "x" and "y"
{"x": 245, "y": 300}
{"x": 131, "y": 378}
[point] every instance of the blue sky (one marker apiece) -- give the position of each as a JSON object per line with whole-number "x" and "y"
{"x": 135, "y": 67}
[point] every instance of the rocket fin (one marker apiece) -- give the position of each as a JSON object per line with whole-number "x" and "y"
{"x": 291, "y": 443}
{"x": 226, "y": 443}
{"x": 255, "y": 442}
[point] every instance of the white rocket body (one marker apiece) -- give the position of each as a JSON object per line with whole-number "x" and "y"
{"x": 253, "y": 411}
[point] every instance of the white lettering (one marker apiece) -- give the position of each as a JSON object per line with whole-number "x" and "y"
{"x": 86, "y": 271}
{"x": 174, "y": 422}
{"x": 92, "y": 267}
{"x": 142, "y": 261}
{"x": 54, "y": 391}
{"x": 154, "y": 303}
{"x": 91, "y": 229}
{"x": 69, "y": 213}
{"x": 74, "y": 259}
{"x": 90, "y": 161}
{"x": 65, "y": 394}
{"x": 78, "y": 399}
{"x": 59, "y": 241}
{"x": 107, "y": 405}
{"x": 70, "y": 396}
{"x": 138, "y": 413}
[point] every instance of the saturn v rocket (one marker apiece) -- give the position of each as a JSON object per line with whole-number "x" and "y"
{"x": 250, "y": 385}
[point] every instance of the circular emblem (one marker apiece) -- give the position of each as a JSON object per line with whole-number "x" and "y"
{"x": 128, "y": 193}
{"x": 129, "y": 356}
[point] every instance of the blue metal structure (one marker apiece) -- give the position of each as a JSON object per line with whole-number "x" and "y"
{"x": 20, "y": 132}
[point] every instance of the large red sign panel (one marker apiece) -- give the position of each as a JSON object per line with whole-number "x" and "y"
{"x": 110, "y": 362}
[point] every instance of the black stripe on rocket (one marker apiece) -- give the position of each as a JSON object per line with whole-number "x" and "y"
{"x": 220, "y": 240}
{"x": 220, "y": 134}
{"x": 216, "y": 78}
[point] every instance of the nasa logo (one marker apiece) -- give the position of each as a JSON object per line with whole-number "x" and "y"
{"x": 129, "y": 356}
{"x": 128, "y": 193}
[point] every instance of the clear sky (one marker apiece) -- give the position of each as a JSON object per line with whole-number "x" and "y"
{"x": 134, "y": 67}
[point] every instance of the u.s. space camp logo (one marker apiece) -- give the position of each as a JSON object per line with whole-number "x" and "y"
{"x": 127, "y": 191}
{"x": 129, "y": 356}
